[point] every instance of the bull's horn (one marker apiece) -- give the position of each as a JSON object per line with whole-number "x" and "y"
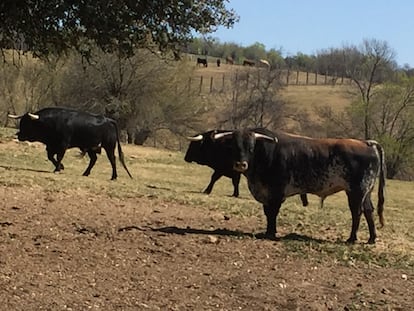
{"x": 258, "y": 135}
{"x": 221, "y": 135}
{"x": 33, "y": 116}
{"x": 14, "y": 116}
{"x": 195, "y": 138}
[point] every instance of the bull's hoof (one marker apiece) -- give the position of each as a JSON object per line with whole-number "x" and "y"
{"x": 351, "y": 241}
{"x": 266, "y": 236}
{"x": 371, "y": 241}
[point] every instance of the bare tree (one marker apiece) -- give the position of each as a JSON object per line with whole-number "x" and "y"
{"x": 255, "y": 100}
{"x": 368, "y": 66}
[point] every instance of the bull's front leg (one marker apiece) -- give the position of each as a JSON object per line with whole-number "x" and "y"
{"x": 236, "y": 181}
{"x": 58, "y": 165}
{"x": 216, "y": 176}
{"x": 271, "y": 211}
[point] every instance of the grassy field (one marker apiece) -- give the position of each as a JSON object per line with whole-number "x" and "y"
{"x": 163, "y": 175}
{"x": 156, "y": 242}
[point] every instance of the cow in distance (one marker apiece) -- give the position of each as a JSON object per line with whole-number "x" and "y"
{"x": 202, "y": 61}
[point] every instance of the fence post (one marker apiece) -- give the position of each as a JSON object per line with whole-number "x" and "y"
{"x": 316, "y": 78}
{"x": 201, "y": 84}
{"x": 297, "y": 77}
{"x": 287, "y": 77}
{"x": 326, "y": 77}
{"x": 211, "y": 84}
{"x": 307, "y": 77}
{"x": 222, "y": 86}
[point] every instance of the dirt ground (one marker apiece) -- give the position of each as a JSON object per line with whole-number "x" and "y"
{"x": 73, "y": 251}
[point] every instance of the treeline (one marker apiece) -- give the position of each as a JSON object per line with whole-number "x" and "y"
{"x": 330, "y": 61}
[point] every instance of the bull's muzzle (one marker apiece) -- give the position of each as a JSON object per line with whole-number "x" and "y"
{"x": 241, "y": 166}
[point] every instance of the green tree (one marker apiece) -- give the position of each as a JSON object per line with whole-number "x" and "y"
{"x": 56, "y": 26}
{"x": 392, "y": 116}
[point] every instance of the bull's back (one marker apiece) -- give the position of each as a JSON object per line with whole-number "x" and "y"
{"x": 79, "y": 129}
{"x": 318, "y": 166}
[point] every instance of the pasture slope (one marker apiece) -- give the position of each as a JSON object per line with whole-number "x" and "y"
{"x": 69, "y": 242}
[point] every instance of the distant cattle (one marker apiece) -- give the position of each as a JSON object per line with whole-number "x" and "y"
{"x": 202, "y": 61}
{"x": 217, "y": 154}
{"x": 62, "y": 128}
{"x": 218, "y": 62}
{"x": 264, "y": 63}
{"x": 229, "y": 60}
{"x": 280, "y": 165}
{"x": 247, "y": 62}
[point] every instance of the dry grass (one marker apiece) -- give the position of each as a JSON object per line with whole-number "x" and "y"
{"x": 306, "y": 96}
{"x": 164, "y": 176}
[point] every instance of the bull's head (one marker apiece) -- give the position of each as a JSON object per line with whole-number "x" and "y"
{"x": 28, "y": 126}
{"x": 31, "y": 115}
{"x": 243, "y": 146}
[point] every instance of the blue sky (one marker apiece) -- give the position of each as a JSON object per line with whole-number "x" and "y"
{"x": 308, "y": 26}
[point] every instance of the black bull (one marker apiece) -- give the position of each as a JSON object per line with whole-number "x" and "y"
{"x": 281, "y": 165}
{"x": 62, "y": 128}
{"x": 216, "y": 154}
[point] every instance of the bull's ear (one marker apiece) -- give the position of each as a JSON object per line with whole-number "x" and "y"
{"x": 198, "y": 137}
{"x": 262, "y": 136}
{"x": 221, "y": 135}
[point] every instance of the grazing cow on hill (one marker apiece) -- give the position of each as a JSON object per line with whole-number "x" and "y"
{"x": 247, "y": 62}
{"x": 62, "y": 128}
{"x": 264, "y": 63}
{"x": 202, "y": 61}
{"x": 229, "y": 60}
{"x": 216, "y": 154}
{"x": 281, "y": 165}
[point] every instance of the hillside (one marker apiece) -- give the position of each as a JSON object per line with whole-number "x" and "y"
{"x": 300, "y": 90}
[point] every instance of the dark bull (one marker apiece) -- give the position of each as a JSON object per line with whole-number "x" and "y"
{"x": 216, "y": 154}
{"x": 62, "y": 128}
{"x": 280, "y": 165}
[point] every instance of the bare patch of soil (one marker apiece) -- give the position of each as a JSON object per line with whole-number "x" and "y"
{"x": 73, "y": 251}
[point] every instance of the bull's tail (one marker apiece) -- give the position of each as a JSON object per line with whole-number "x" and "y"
{"x": 381, "y": 185}
{"x": 120, "y": 153}
{"x": 382, "y": 173}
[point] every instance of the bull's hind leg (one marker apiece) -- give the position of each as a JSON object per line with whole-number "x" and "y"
{"x": 93, "y": 158}
{"x": 110, "y": 152}
{"x": 368, "y": 210}
{"x": 355, "y": 205}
